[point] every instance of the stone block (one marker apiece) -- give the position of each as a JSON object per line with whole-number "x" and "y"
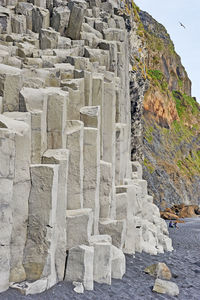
{"x": 5, "y": 20}
{"x": 90, "y": 39}
{"x": 75, "y": 22}
{"x": 10, "y": 93}
{"x": 75, "y": 87}
{"x": 64, "y": 42}
{"x": 40, "y": 3}
{"x": 114, "y": 34}
{"x": 125, "y": 209}
{"x": 18, "y": 24}
{"x": 165, "y": 242}
{"x": 7, "y": 158}
{"x": 97, "y": 55}
{"x": 102, "y": 262}
{"x": 166, "y": 287}
{"x": 87, "y": 28}
{"x": 105, "y": 189}
{"x": 66, "y": 70}
{"x": 100, "y": 25}
{"x": 60, "y": 157}
{"x": 39, "y": 252}
{"x": 98, "y": 99}
{"x": 80, "y": 63}
{"x": 121, "y": 153}
{"x": 48, "y": 39}
{"x": 20, "y": 124}
{"x": 111, "y": 47}
{"x": 88, "y": 84}
{"x": 56, "y": 117}
{"x": 149, "y": 235}
{"x": 100, "y": 238}
{"x": 118, "y": 263}
{"x": 121, "y": 206}
{"x": 74, "y": 143}
{"x": 116, "y": 229}
{"x": 25, "y": 9}
{"x": 40, "y": 19}
{"x": 80, "y": 266}
{"x": 79, "y": 227}
{"x": 136, "y": 167}
{"x": 109, "y": 121}
{"x": 91, "y": 180}
{"x": 30, "y": 288}
{"x": 60, "y": 19}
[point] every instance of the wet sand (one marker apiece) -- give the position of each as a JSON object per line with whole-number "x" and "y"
{"x": 184, "y": 263}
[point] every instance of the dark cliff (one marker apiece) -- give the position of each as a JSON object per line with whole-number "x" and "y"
{"x": 171, "y": 117}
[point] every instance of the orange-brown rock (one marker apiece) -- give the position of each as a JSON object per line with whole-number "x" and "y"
{"x": 169, "y": 210}
{"x": 168, "y": 216}
{"x": 188, "y": 211}
{"x": 161, "y": 106}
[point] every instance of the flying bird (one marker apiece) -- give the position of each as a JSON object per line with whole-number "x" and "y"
{"x": 182, "y": 25}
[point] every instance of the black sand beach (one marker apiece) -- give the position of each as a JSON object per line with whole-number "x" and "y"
{"x": 184, "y": 263}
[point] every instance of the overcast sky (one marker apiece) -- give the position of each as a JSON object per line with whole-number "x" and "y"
{"x": 187, "y": 41}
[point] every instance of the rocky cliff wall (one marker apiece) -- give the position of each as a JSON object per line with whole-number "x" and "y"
{"x": 170, "y": 118}
{"x": 72, "y": 201}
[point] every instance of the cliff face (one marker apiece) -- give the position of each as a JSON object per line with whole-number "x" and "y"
{"x": 171, "y": 119}
{"x": 72, "y": 202}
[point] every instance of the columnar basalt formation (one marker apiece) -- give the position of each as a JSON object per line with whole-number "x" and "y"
{"x": 72, "y": 202}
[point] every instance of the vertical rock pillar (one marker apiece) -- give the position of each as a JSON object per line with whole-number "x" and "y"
{"x": 74, "y": 143}
{"x": 90, "y": 116}
{"x": 60, "y": 157}
{"x": 7, "y": 158}
{"x": 108, "y": 128}
{"x": 39, "y": 253}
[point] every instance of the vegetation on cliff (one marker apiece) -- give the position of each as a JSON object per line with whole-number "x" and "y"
{"x": 171, "y": 118}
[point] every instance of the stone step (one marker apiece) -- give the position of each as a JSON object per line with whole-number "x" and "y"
{"x": 79, "y": 227}
{"x": 80, "y": 263}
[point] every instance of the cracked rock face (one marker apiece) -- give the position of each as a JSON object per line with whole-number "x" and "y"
{"x": 72, "y": 201}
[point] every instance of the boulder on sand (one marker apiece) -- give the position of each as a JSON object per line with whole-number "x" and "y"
{"x": 168, "y": 216}
{"x": 159, "y": 270}
{"x": 166, "y": 287}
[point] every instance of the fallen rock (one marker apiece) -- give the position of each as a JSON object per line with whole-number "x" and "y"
{"x": 166, "y": 287}
{"x": 180, "y": 211}
{"x": 168, "y": 216}
{"x": 79, "y": 289}
{"x": 188, "y": 211}
{"x": 159, "y": 270}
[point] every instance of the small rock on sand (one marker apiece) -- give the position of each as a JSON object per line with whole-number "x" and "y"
{"x": 79, "y": 289}
{"x": 159, "y": 270}
{"x": 166, "y": 287}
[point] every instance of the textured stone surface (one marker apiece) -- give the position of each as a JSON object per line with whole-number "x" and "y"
{"x": 72, "y": 201}
{"x": 166, "y": 287}
{"x": 82, "y": 257}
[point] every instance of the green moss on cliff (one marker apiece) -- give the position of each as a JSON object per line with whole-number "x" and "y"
{"x": 158, "y": 79}
{"x": 149, "y": 166}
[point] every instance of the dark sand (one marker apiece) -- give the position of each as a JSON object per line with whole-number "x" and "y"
{"x": 184, "y": 263}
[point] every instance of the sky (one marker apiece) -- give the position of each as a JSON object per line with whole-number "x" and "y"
{"x": 186, "y": 41}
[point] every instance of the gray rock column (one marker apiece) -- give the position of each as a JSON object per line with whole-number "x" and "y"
{"x": 91, "y": 158}
{"x": 40, "y": 249}
{"x": 56, "y": 118}
{"x": 20, "y": 123}
{"x": 75, "y": 22}
{"x": 105, "y": 189}
{"x": 7, "y": 158}
{"x": 74, "y": 143}
{"x": 10, "y": 92}
{"x": 60, "y": 157}
{"x": 80, "y": 266}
